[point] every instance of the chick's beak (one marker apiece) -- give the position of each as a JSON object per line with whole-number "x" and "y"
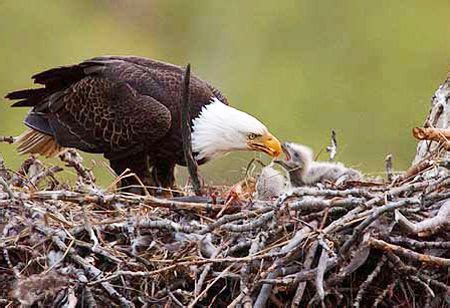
{"x": 267, "y": 144}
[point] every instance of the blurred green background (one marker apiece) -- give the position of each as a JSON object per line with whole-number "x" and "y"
{"x": 364, "y": 68}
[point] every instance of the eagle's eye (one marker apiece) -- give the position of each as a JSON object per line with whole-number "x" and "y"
{"x": 252, "y": 136}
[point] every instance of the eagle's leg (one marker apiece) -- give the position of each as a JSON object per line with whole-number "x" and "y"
{"x": 138, "y": 165}
{"x": 163, "y": 173}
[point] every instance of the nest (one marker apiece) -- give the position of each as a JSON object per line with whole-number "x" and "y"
{"x": 359, "y": 245}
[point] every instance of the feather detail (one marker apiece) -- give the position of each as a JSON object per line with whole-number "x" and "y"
{"x": 34, "y": 142}
{"x": 220, "y": 129}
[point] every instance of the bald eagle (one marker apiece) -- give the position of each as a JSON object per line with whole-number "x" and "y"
{"x": 128, "y": 109}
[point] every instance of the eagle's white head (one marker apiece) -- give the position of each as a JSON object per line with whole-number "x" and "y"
{"x": 220, "y": 129}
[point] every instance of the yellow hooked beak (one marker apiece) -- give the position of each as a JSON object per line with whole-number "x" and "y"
{"x": 266, "y": 143}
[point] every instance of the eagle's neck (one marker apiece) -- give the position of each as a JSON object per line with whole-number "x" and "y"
{"x": 220, "y": 129}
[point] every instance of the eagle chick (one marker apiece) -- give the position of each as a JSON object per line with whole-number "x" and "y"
{"x": 303, "y": 170}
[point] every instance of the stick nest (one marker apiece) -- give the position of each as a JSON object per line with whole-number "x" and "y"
{"x": 361, "y": 245}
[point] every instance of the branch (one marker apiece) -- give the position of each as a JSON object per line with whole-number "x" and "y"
{"x": 389, "y": 168}
{"x": 8, "y": 139}
{"x": 382, "y": 245}
{"x": 332, "y": 149}
{"x": 357, "y": 232}
{"x": 364, "y": 286}
{"x": 428, "y": 226}
{"x": 430, "y": 133}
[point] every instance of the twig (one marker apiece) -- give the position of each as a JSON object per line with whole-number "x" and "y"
{"x": 379, "y": 244}
{"x": 202, "y": 277}
{"x": 321, "y": 268}
{"x": 357, "y": 232}
{"x": 425, "y": 286}
{"x": 385, "y": 292}
{"x": 7, "y": 139}
{"x": 73, "y": 159}
{"x": 186, "y": 132}
{"x": 418, "y": 244}
{"x": 428, "y": 226}
{"x": 430, "y": 133}
{"x": 399, "y": 266}
{"x": 290, "y": 249}
{"x": 389, "y": 168}
{"x": 249, "y": 226}
{"x": 172, "y": 296}
{"x": 6, "y": 188}
{"x": 192, "y": 304}
{"x": 90, "y": 270}
{"x": 332, "y": 149}
{"x": 302, "y": 285}
{"x": 363, "y": 288}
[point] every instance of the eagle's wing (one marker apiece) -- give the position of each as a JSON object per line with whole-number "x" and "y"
{"x": 90, "y": 109}
{"x": 107, "y": 116}
{"x": 154, "y": 73}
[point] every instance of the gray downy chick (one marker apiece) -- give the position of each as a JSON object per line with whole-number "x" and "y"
{"x": 271, "y": 184}
{"x": 303, "y": 170}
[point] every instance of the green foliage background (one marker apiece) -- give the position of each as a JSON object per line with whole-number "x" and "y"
{"x": 364, "y": 68}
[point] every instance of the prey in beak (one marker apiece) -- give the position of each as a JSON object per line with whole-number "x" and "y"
{"x": 266, "y": 143}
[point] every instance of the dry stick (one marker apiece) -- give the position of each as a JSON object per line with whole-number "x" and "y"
{"x": 418, "y": 244}
{"x": 207, "y": 268}
{"x": 73, "y": 159}
{"x": 319, "y": 203}
{"x": 359, "y": 257}
{"x": 423, "y": 284}
{"x": 290, "y": 248}
{"x": 173, "y": 297}
{"x": 302, "y": 285}
{"x": 321, "y": 268}
{"x": 431, "y": 133}
{"x": 252, "y": 225}
{"x": 47, "y": 172}
{"x": 186, "y": 132}
{"x": 304, "y": 275}
{"x": 192, "y": 304}
{"x": 9, "y": 263}
{"x": 98, "y": 250}
{"x": 389, "y": 168}
{"x": 91, "y": 271}
{"x": 6, "y": 188}
{"x": 234, "y": 217}
{"x": 316, "y": 192}
{"x": 88, "y": 227}
{"x": 117, "y": 274}
{"x": 237, "y": 300}
{"x": 357, "y": 232}
{"x": 382, "y": 245}
{"x": 6, "y": 257}
{"x": 257, "y": 244}
{"x": 428, "y": 226}
{"x": 8, "y": 139}
{"x": 109, "y": 199}
{"x": 415, "y": 169}
{"x": 164, "y": 224}
{"x": 363, "y": 287}
{"x": 332, "y": 149}
{"x": 385, "y": 292}
{"x": 400, "y": 267}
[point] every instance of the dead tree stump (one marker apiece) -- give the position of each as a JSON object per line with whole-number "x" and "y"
{"x": 438, "y": 117}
